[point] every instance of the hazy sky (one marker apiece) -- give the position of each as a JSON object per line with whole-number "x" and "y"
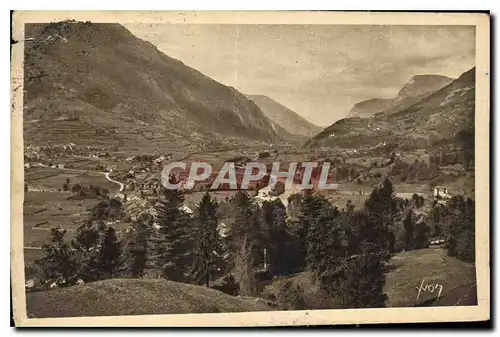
{"x": 319, "y": 71}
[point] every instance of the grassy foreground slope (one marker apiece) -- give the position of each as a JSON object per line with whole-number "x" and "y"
{"x": 142, "y": 297}
{"x": 136, "y": 297}
{"x": 406, "y": 272}
{"x": 432, "y": 266}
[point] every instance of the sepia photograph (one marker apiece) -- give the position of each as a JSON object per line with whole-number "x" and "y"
{"x": 249, "y": 168}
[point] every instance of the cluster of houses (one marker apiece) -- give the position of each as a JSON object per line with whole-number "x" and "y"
{"x": 441, "y": 194}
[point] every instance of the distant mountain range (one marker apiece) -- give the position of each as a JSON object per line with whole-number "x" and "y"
{"x": 414, "y": 90}
{"x": 98, "y": 83}
{"x": 369, "y": 107}
{"x": 289, "y": 120}
{"x": 416, "y": 116}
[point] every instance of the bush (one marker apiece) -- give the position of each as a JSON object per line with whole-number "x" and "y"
{"x": 465, "y": 246}
{"x": 291, "y": 298}
{"x": 262, "y": 275}
{"x": 264, "y": 154}
{"x": 278, "y": 189}
{"x": 228, "y": 285}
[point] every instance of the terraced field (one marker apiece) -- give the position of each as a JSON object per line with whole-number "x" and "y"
{"x": 47, "y": 205}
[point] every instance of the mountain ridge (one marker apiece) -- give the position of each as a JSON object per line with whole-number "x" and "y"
{"x": 439, "y": 116}
{"x": 288, "y": 119}
{"x": 415, "y": 89}
{"x": 103, "y": 77}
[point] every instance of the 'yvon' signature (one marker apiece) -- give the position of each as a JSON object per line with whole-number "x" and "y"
{"x": 431, "y": 288}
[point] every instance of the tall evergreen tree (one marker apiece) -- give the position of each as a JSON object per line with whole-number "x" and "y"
{"x": 461, "y": 228}
{"x": 58, "y": 265}
{"x": 348, "y": 263}
{"x": 382, "y": 210}
{"x": 208, "y": 250}
{"x": 310, "y": 208}
{"x": 358, "y": 282}
{"x": 172, "y": 240}
{"x": 324, "y": 238}
{"x": 85, "y": 246}
{"x": 279, "y": 242}
{"x": 137, "y": 246}
{"x": 244, "y": 260}
{"x": 359, "y": 243}
{"x": 408, "y": 226}
{"x": 362, "y": 274}
{"x": 437, "y": 217}
{"x": 421, "y": 236}
{"x": 244, "y": 222}
{"x": 245, "y": 240}
{"x": 108, "y": 258}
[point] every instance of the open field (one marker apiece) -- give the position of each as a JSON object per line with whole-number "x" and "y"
{"x": 52, "y": 179}
{"x": 406, "y": 272}
{"x": 432, "y": 266}
{"x": 45, "y": 210}
{"x": 46, "y": 205}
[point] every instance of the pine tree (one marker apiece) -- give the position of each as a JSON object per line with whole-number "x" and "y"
{"x": 58, "y": 264}
{"x": 460, "y": 238}
{"x": 408, "y": 225}
{"x": 85, "y": 246}
{"x": 310, "y": 208}
{"x": 172, "y": 240}
{"x": 244, "y": 260}
{"x": 108, "y": 258}
{"x": 421, "y": 237}
{"x": 244, "y": 221}
{"x": 382, "y": 210}
{"x": 245, "y": 240}
{"x": 323, "y": 238}
{"x": 208, "y": 250}
{"x": 359, "y": 277}
{"x": 351, "y": 250}
{"x": 437, "y": 217}
{"x": 137, "y": 246}
{"x": 279, "y": 242}
{"x": 358, "y": 282}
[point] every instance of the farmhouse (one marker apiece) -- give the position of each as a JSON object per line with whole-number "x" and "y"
{"x": 441, "y": 192}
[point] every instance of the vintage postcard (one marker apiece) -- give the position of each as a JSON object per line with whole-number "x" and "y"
{"x": 249, "y": 168}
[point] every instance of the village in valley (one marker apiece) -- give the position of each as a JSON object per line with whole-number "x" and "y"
{"x": 97, "y": 217}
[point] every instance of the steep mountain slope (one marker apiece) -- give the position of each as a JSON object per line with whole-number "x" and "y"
{"x": 421, "y": 85}
{"x": 369, "y": 107}
{"x": 417, "y": 88}
{"x": 109, "y": 86}
{"x": 442, "y": 115}
{"x": 289, "y": 120}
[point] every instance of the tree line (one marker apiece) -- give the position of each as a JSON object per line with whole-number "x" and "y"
{"x": 236, "y": 244}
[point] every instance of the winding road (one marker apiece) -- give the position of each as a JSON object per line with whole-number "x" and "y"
{"x": 106, "y": 174}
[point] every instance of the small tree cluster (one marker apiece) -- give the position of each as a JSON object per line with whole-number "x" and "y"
{"x": 460, "y": 228}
